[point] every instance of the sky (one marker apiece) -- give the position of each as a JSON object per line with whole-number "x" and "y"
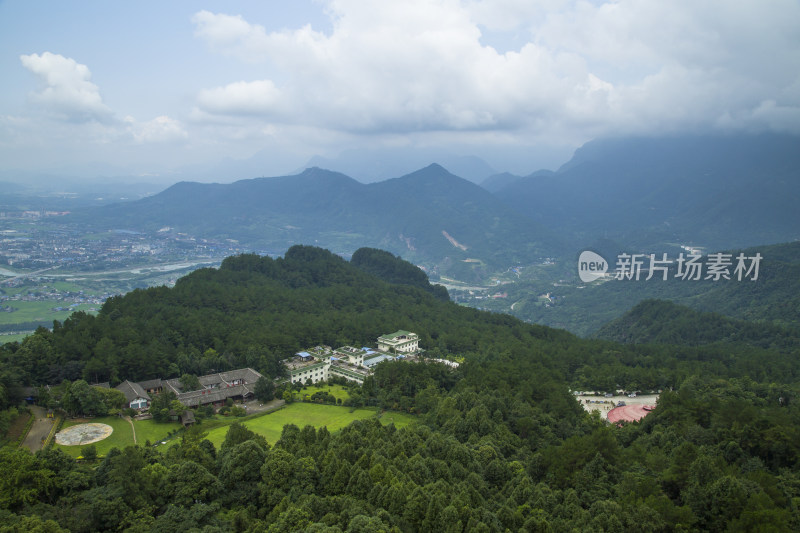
{"x": 156, "y": 90}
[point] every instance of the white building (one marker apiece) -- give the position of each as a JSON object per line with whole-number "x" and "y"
{"x": 320, "y": 363}
{"x": 399, "y": 341}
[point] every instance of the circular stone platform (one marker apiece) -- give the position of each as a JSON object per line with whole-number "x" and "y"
{"x": 83, "y": 434}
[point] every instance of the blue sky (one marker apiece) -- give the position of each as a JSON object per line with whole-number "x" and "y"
{"x": 160, "y": 88}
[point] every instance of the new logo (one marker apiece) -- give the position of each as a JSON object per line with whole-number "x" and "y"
{"x": 591, "y": 266}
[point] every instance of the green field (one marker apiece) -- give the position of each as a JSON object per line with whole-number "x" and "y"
{"x": 339, "y": 392}
{"x": 37, "y": 311}
{"x": 122, "y": 435}
{"x": 270, "y": 425}
{"x": 17, "y": 337}
{"x": 150, "y": 430}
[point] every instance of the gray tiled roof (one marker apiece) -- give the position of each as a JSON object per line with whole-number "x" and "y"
{"x": 199, "y": 397}
{"x": 132, "y": 391}
{"x": 151, "y": 383}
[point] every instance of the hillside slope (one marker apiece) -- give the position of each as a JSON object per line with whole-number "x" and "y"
{"x": 659, "y": 321}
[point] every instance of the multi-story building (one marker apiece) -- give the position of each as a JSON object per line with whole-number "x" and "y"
{"x": 355, "y": 364}
{"x": 399, "y": 341}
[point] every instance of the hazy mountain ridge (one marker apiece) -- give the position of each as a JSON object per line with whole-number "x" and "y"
{"x": 718, "y": 192}
{"x": 373, "y": 165}
{"x": 412, "y": 215}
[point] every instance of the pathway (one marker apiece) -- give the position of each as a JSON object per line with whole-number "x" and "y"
{"x": 255, "y": 406}
{"x": 39, "y": 430}
{"x": 132, "y": 428}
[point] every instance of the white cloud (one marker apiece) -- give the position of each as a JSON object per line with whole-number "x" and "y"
{"x": 241, "y": 97}
{"x": 231, "y": 34}
{"x": 159, "y": 130}
{"x": 587, "y": 69}
{"x": 69, "y": 95}
{"x": 68, "y": 92}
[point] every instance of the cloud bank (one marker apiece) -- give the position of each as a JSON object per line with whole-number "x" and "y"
{"x": 584, "y": 69}
{"x": 505, "y": 80}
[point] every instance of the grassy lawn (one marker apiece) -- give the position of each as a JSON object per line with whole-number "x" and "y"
{"x": 270, "y": 425}
{"x": 153, "y": 431}
{"x": 339, "y": 392}
{"x": 400, "y": 420}
{"x": 334, "y": 417}
{"x": 122, "y": 435}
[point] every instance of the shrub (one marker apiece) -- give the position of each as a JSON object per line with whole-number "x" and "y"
{"x": 89, "y": 453}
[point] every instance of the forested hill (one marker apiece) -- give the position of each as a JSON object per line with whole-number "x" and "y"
{"x": 254, "y": 311}
{"x": 664, "y": 322}
{"x": 394, "y": 270}
{"x": 500, "y": 444}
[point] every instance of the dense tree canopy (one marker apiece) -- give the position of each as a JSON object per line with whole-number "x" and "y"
{"x": 498, "y": 444}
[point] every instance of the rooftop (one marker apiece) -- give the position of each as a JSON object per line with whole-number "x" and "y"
{"x": 372, "y": 361}
{"x": 132, "y": 391}
{"x": 397, "y": 335}
{"x": 296, "y": 363}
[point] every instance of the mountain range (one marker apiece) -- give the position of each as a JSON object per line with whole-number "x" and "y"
{"x": 430, "y": 216}
{"x": 650, "y": 194}
{"x": 711, "y": 191}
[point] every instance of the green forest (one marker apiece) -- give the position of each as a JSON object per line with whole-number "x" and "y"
{"x": 499, "y": 444}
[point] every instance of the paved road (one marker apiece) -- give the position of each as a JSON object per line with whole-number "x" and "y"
{"x": 40, "y": 429}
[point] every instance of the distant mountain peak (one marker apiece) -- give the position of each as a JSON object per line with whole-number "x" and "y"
{"x": 380, "y": 164}
{"x": 319, "y": 171}
{"x": 432, "y": 171}
{"x": 436, "y": 167}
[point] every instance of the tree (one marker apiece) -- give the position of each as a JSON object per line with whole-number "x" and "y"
{"x": 237, "y": 434}
{"x": 176, "y": 407}
{"x": 264, "y": 389}
{"x": 81, "y": 398}
{"x": 189, "y": 382}
{"x": 190, "y": 483}
{"x": 89, "y": 453}
{"x": 161, "y": 405}
{"x": 239, "y": 471}
{"x": 113, "y": 398}
{"x": 23, "y": 479}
